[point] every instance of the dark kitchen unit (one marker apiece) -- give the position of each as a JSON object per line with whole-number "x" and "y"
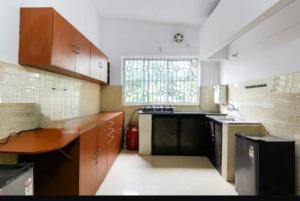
{"x": 178, "y": 134}
{"x": 264, "y": 165}
{"x": 214, "y": 143}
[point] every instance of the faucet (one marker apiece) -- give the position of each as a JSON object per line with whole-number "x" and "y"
{"x": 231, "y": 108}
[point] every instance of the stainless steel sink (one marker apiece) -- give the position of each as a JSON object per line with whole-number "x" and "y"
{"x": 226, "y": 118}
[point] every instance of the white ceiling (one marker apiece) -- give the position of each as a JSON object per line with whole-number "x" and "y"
{"x": 191, "y": 12}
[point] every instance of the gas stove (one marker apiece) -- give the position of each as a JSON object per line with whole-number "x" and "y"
{"x": 158, "y": 109}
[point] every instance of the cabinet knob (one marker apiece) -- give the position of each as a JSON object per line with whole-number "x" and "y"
{"x": 74, "y": 49}
{"x": 100, "y": 64}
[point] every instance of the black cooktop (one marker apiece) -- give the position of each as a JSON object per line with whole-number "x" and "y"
{"x": 158, "y": 108}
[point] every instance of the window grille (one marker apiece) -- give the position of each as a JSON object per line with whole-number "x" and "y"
{"x": 161, "y": 81}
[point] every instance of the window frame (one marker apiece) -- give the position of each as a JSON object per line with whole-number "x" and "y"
{"x": 168, "y": 58}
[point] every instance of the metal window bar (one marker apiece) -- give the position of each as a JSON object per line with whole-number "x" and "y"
{"x": 161, "y": 80}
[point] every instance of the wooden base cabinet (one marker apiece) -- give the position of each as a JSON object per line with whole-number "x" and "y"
{"x": 111, "y": 132}
{"x": 80, "y": 167}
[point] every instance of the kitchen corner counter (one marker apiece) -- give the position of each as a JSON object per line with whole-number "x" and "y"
{"x": 37, "y": 141}
{"x": 51, "y": 139}
{"x": 224, "y": 120}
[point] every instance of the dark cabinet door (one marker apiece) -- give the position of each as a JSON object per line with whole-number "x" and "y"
{"x": 165, "y": 135}
{"x": 192, "y": 138}
{"x": 218, "y": 146}
{"x": 211, "y": 141}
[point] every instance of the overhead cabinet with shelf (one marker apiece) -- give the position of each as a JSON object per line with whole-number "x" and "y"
{"x": 51, "y": 43}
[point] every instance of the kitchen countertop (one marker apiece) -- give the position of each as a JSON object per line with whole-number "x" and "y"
{"x": 181, "y": 113}
{"x": 47, "y": 140}
{"x": 236, "y": 121}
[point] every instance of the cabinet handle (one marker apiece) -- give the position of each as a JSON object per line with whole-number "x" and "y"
{"x": 98, "y": 152}
{"x": 78, "y": 50}
{"x": 100, "y": 64}
{"x": 111, "y": 139}
{"x": 111, "y": 132}
{"x": 74, "y": 49}
{"x": 111, "y": 123}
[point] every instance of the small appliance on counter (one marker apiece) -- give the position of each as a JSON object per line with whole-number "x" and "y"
{"x": 265, "y": 165}
{"x": 158, "y": 109}
{"x": 16, "y": 179}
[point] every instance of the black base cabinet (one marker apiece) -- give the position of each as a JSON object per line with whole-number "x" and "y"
{"x": 213, "y": 142}
{"x": 165, "y": 135}
{"x": 178, "y": 135}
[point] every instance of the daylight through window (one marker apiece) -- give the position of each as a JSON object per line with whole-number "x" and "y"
{"x": 161, "y": 81}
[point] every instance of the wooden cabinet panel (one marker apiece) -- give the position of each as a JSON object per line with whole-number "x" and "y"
{"x": 35, "y": 36}
{"x": 95, "y": 63}
{"x": 64, "y": 43}
{"x": 102, "y": 154}
{"x": 83, "y": 55}
{"x": 104, "y": 69}
{"x": 119, "y": 131}
{"x": 111, "y": 142}
{"x": 88, "y": 162}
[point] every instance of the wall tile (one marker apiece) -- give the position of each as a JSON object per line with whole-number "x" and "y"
{"x": 58, "y": 97}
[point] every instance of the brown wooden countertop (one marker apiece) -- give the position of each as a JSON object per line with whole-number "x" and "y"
{"x": 47, "y": 140}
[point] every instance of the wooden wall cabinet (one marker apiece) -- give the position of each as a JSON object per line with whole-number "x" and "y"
{"x": 51, "y": 43}
{"x": 99, "y": 64}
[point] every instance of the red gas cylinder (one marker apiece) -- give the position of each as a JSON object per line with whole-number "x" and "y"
{"x": 132, "y": 139}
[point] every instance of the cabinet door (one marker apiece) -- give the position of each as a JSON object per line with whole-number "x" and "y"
{"x": 218, "y": 147}
{"x": 104, "y": 69}
{"x": 102, "y": 153}
{"x": 211, "y": 141}
{"x": 192, "y": 136}
{"x": 165, "y": 135}
{"x": 119, "y": 131}
{"x": 111, "y": 142}
{"x": 95, "y": 63}
{"x": 64, "y": 43}
{"x": 83, "y": 55}
{"x": 88, "y": 162}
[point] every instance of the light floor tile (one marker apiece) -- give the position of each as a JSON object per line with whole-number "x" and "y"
{"x": 133, "y": 174}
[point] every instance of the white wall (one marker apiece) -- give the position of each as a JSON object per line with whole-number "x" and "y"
{"x": 272, "y": 48}
{"x": 81, "y": 13}
{"x": 210, "y": 73}
{"x": 136, "y": 38}
{"x": 229, "y": 19}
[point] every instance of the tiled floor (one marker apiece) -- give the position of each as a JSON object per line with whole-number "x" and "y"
{"x": 132, "y": 174}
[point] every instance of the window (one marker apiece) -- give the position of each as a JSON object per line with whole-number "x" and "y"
{"x": 155, "y": 81}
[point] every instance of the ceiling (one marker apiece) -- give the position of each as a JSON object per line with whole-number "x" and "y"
{"x": 190, "y": 12}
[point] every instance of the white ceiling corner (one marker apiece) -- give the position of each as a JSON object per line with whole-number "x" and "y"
{"x": 187, "y": 12}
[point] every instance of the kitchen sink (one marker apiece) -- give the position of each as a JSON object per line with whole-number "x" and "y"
{"x": 226, "y": 118}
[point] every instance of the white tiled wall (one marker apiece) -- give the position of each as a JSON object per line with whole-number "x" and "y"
{"x": 58, "y": 97}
